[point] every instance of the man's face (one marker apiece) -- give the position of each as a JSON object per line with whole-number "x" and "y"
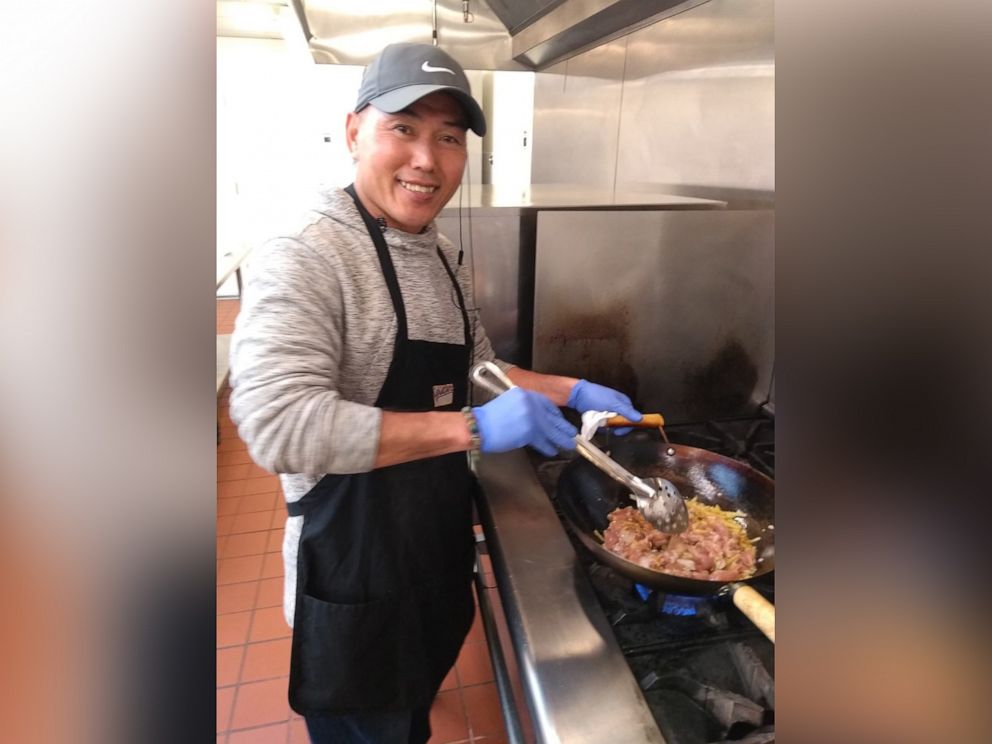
{"x": 408, "y": 163}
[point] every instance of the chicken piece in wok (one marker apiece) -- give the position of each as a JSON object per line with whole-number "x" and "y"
{"x": 715, "y": 547}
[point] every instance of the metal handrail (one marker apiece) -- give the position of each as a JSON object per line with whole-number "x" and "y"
{"x": 501, "y": 673}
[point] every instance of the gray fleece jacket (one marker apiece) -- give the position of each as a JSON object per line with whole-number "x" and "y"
{"x": 314, "y": 340}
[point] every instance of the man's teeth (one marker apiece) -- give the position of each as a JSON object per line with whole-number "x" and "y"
{"x": 417, "y": 188}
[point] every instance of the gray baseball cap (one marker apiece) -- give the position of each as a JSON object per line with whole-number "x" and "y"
{"x": 405, "y": 73}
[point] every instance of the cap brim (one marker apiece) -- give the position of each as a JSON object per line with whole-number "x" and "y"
{"x": 399, "y": 99}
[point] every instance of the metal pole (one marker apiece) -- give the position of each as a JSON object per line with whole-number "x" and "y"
{"x": 514, "y": 731}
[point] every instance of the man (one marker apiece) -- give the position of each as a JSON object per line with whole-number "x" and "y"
{"x": 350, "y": 366}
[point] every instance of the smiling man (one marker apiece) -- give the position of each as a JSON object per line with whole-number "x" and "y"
{"x": 409, "y": 136}
{"x": 411, "y": 161}
{"x": 349, "y": 376}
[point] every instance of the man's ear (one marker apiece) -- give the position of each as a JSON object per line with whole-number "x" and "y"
{"x": 351, "y": 127}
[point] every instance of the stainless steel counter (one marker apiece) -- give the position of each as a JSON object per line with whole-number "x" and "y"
{"x": 542, "y": 196}
{"x": 230, "y": 263}
{"x": 577, "y": 684}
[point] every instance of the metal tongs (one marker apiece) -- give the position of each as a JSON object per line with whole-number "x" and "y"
{"x": 657, "y": 499}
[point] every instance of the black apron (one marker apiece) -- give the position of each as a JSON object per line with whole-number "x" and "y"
{"x": 383, "y": 588}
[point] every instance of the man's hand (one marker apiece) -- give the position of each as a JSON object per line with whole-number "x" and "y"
{"x": 520, "y": 417}
{"x": 588, "y": 396}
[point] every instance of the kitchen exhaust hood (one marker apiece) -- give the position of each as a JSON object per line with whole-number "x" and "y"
{"x": 573, "y": 26}
{"x": 493, "y": 35}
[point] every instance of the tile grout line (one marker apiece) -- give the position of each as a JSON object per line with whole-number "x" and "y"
{"x": 246, "y": 555}
{"x": 244, "y": 654}
{"x": 240, "y": 495}
{"x": 267, "y": 640}
{"x": 461, "y": 699}
{"x": 501, "y": 723}
{"x": 241, "y": 666}
{"x": 246, "y": 478}
{"x": 250, "y": 581}
{"x": 261, "y": 679}
{"x": 260, "y": 726}
{"x": 224, "y": 309}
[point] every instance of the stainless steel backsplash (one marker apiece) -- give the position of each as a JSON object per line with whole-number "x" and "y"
{"x": 686, "y": 105}
{"x": 675, "y": 308}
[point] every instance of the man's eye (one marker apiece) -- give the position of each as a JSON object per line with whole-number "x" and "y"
{"x": 402, "y": 129}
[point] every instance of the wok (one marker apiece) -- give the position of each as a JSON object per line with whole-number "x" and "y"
{"x": 587, "y": 496}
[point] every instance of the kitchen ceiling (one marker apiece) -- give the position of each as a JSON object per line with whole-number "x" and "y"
{"x": 515, "y": 14}
{"x": 254, "y": 19}
{"x": 493, "y": 35}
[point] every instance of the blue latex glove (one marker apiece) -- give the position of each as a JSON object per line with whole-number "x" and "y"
{"x": 520, "y": 417}
{"x": 588, "y": 396}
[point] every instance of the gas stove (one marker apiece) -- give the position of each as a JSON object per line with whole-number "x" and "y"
{"x": 706, "y": 672}
{"x": 587, "y": 656}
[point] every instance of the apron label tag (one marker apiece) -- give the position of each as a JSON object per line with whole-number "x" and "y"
{"x": 444, "y": 395}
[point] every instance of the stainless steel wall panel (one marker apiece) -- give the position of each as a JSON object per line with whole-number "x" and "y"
{"x": 499, "y": 243}
{"x": 685, "y": 105}
{"x": 495, "y": 264}
{"x": 576, "y": 26}
{"x": 517, "y": 14}
{"x": 699, "y": 100}
{"x": 674, "y": 308}
{"x": 577, "y": 118}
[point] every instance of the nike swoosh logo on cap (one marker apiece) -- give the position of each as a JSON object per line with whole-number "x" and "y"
{"x": 428, "y": 68}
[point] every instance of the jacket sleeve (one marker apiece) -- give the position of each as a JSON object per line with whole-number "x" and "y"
{"x": 285, "y": 354}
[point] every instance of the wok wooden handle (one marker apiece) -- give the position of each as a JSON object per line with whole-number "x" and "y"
{"x": 759, "y": 610}
{"x": 650, "y": 421}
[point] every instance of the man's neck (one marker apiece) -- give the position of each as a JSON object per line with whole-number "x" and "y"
{"x": 380, "y": 217}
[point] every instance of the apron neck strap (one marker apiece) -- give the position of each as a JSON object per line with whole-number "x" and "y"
{"x": 469, "y": 338}
{"x": 375, "y": 229}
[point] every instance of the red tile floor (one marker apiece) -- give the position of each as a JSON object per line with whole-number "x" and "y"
{"x": 252, "y": 637}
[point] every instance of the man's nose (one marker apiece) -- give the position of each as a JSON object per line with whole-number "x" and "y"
{"x": 423, "y": 157}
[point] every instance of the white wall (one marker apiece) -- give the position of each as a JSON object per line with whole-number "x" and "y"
{"x": 275, "y": 107}
{"x": 512, "y": 123}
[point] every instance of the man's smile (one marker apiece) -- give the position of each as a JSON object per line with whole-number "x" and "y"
{"x": 418, "y": 188}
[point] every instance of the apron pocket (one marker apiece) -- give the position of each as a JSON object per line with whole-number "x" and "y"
{"x": 354, "y": 657}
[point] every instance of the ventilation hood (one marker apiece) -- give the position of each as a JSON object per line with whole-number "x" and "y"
{"x": 481, "y": 34}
